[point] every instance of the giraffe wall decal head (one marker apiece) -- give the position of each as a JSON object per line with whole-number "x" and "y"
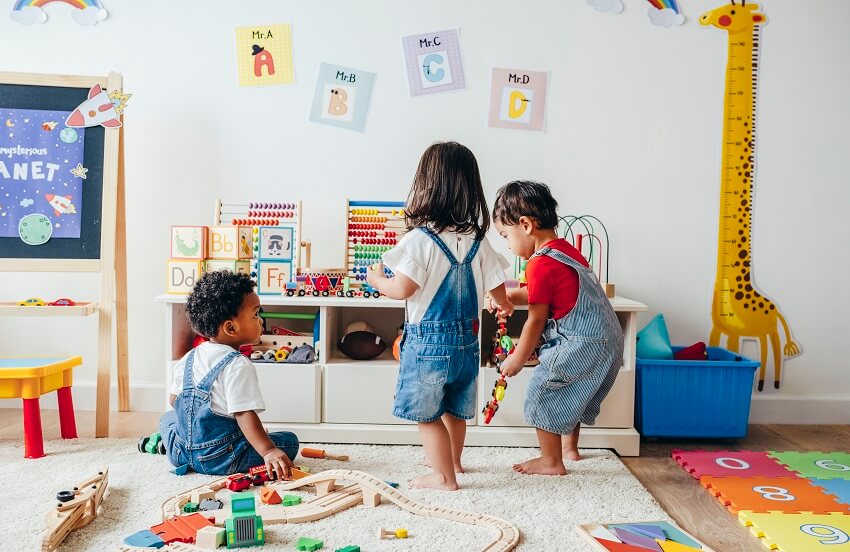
{"x": 739, "y": 310}
{"x": 736, "y": 17}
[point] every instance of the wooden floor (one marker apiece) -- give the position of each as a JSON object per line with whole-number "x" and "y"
{"x": 678, "y": 493}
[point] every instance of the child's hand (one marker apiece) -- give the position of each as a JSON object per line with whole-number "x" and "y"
{"x": 374, "y": 274}
{"x": 506, "y": 309}
{"x": 511, "y": 366}
{"x": 276, "y": 460}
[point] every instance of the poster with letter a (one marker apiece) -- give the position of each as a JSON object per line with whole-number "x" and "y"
{"x": 264, "y": 55}
{"x": 518, "y": 99}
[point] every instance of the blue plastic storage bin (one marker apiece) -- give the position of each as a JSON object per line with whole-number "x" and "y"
{"x": 694, "y": 398}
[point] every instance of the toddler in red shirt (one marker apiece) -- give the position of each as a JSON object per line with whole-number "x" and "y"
{"x": 582, "y": 339}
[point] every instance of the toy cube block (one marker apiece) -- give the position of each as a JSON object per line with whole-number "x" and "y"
{"x": 305, "y": 543}
{"x": 272, "y": 277}
{"x": 276, "y": 243}
{"x": 239, "y": 267}
{"x": 269, "y": 496}
{"x": 230, "y": 242}
{"x": 201, "y": 494}
{"x": 182, "y": 275}
{"x": 210, "y": 537}
{"x": 189, "y": 242}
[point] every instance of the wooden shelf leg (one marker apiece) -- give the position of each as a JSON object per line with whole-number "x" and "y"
{"x": 67, "y": 423}
{"x": 33, "y": 442}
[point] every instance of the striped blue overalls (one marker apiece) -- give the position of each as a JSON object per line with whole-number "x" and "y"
{"x": 579, "y": 359}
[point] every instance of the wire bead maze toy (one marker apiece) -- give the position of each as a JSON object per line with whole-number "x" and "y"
{"x": 503, "y": 345}
{"x": 598, "y": 251}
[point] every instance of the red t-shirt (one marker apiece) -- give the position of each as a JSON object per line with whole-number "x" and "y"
{"x": 553, "y": 283}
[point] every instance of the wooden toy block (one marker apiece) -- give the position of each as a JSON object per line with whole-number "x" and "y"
{"x": 270, "y": 496}
{"x": 306, "y": 543}
{"x": 349, "y": 548}
{"x": 816, "y": 465}
{"x": 772, "y": 494}
{"x": 272, "y": 277}
{"x": 239, "y": 267}
{"x": 189, "y": 242}
{"x": 180, "y": 528}
{"x": 230, "y": 242}
{"x": 201, "y": 494}
{"x": 290, "y": 500}
{"x": 400, "y": 533}
{"x": 276, "y": 243}
{"x": 729, "y": 463}
{"x": 319, "y": 453}
{"x": 182, "y": 275}
{"x": 801, "y": 531}
{"x": 672, "y": 546}
{"x": 635, "y": 539}
{"x": 209, "y": 537}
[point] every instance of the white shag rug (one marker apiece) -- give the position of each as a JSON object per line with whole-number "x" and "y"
{"x": 599, "y": 488}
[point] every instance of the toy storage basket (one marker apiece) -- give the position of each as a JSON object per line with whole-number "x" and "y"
{"x": 694, "y": 398}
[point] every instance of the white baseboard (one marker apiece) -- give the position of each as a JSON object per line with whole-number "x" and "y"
{"x": 800, "y": 409}
{"x": 144, "y": 397}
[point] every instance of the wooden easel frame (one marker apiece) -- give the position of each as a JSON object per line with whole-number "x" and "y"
{"x": 112, "y": 264}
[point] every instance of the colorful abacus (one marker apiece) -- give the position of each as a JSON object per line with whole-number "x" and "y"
{"x": 373, "y": 228}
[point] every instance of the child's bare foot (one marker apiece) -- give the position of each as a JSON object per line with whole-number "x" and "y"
{"x": 541, "y": 466}
{"x": 572, "y": 454}
{"x": 433, "y": 481}
{"x": 458, "y": 468}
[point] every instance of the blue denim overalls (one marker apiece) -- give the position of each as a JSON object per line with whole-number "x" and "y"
{"x": 440, "y": 355}
{"x": 579, "y": 360}
{"x": 208, "y": 442}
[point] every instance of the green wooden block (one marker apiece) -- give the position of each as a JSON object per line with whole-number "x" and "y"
{"x": 190, "y": 507}
{"x": 306, "y": 543}
{"x": 290, "y": 500}
{"x": 350, "y": 548}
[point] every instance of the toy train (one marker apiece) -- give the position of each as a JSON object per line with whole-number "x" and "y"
{"x": 327, "y": 282}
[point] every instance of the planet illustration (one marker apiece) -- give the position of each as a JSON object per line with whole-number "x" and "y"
{"x": 68, "y": 135}
{"x": 35, "y": 229}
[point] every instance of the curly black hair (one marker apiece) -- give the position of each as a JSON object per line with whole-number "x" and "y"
{"x": 216, "y": 298}
{"x": 525, "y": 198}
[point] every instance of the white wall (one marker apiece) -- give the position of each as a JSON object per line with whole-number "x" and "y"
{"x": 633, "y": 136}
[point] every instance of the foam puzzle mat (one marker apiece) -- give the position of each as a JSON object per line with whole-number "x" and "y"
{"x": 790, "y": 501}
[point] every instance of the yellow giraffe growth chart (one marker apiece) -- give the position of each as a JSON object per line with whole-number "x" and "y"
{"x": 738, "y": 309}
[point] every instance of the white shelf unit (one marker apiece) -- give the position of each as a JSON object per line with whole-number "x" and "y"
{"x": 339, "y": 400}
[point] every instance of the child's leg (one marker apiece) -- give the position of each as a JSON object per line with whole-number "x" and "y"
{"x": 438, "y": 451}
{"x": 569, "y": 444}
{"x": 247, "y": 457}
{"x": 457, "y": 435}
{"x": 550, "y": 461}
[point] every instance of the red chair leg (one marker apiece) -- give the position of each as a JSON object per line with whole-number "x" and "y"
{"x": 67, "y": 424}
{"x": 33, "y": 443}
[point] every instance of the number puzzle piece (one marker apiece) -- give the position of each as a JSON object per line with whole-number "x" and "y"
{"x": 816, "y": 465}
{"x": 728, "y": 463}
{"x": 838, "y": 487}
{"x": 771, "y": 494}
{"x": 798, "y": 532}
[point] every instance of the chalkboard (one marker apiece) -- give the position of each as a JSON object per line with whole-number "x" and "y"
{"x": 87, "y": 245}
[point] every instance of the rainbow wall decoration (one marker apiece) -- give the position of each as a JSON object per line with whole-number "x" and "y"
{"x": 665, "y": 13}
{"x": 85, "y": 12}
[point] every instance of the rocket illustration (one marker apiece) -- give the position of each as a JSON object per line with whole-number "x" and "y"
{"x": 98, "y": 109}
{"x": 61, "y": 204}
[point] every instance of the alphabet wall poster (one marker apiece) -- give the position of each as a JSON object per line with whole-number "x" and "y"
{"x": 518, "y": 99}
{"x": 433, "y": 62}
{"x": 264, "y": 54}
{"x": 342, "y": 96}
{"x": 41, "y": 172}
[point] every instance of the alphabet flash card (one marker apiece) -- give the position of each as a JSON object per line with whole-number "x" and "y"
{"x": 433, "y": 62}
{"x": 518, "y": 99}
{"x": 342, "y": 96}
{"x": 265, "y": 55}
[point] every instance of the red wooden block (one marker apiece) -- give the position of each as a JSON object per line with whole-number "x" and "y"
{"x": 180, "y": 528}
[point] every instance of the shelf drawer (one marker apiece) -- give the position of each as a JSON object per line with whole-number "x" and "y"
{"x": 617, "y": 408}
{"x": 360, "y": 393}
{"x": 293, "y": 392}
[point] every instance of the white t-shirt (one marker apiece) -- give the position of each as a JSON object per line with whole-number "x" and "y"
{"x": 236, "y": 388}
{"x": 420, "y": 259}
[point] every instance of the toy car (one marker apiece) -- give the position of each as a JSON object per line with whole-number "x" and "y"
{"x": 31, "y": 302}
{"x": 152, "y": 444}
{"x": 63, "y": 302}
{"x": 238, "y": 482}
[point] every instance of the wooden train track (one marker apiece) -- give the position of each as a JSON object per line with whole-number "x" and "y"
{"x": 332, "y": 496}
{"x": 75, "y": 513}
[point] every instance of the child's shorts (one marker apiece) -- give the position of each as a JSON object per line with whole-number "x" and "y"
{"x": 437, "y": 376}
{"x": 573, "y": 378}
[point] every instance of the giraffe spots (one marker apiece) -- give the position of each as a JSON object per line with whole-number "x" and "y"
{"x": 740, "y": 231}
{"x": 761, "y": 305}
{"x": 743, "y": 202}
{"x": 747, "y": 277}
{"x": 743, "y": 239}
{"x": 738, "y": 279}
{"x": 748, "y": 287}
{"x": 746, "y": 305}
{"x": 739, "y": 295}
{"x": 772, "y": 306}
{"x": 747, "y": 174}
{"x": 746, "y": 165}
{"x": 742, "y": 254}
{"x": 747, "y": 296}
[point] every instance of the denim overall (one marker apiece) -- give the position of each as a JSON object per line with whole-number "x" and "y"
{"x": 579, "y": 359}
{"x": 208, "y": 442}
{"x": 440, "y": 355}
